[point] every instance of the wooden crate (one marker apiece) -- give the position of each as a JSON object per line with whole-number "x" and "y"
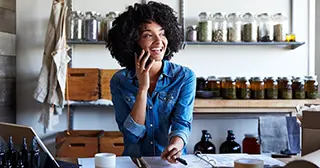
{"x": 105, "y": 77}
{"x": 112, "y": 142}
{"x": 80, "y": 143}
{"x": 83, "y": 84}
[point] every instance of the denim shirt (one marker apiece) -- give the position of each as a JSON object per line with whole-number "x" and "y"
{"x": 168, "y": 111}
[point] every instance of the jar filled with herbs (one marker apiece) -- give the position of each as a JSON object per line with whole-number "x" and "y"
{"x": 270, "y": 88}
{"x": 228, "y": 88}
{"x": 257, "y": 88}
{"x": 214, "y": 85}
{"x": 192, "y": 33}
{"x": 298, "y": 91}
{"x": 280, "y": 27}
{"x": 234, "y": 28}
{"x": 265, "y": 28}
{"x": 243, "y": 88}
{"x": 249, "y": 28}
{"x": 110, "y": 17}
{"x": 205, "y": 27}
{"x": 311, "y": 87}
{"x": 285, "y": 88}
{"x": 219, "y": 27}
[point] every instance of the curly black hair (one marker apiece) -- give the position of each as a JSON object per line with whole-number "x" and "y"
{"x": 123, "y": 36}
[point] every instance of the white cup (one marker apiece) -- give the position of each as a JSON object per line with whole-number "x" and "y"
{"x": 105, "y": 160}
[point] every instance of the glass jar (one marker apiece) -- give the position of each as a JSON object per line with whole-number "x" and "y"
{"x": 192, "y": 33}
{"x": 214, "y": 84}
{"x": 280, "y": 27}
{"x": 265, "y": 28}
{"x": 228, "y": 88}
{"x": 249, "y": 28}
{"x": 298, "y": 91}
{"x": 285, "y": 88}
{"x": 201, "y": 83}
{"x": 98, "y": 17}
{"x": 219, "y": 27}
{"x": 311, "y": 87}
{"x": 205, "y": 27}
{"x": 243, "y": 88}
{"x": 110, "y": 17}
{"x": 75, "y": 26}
{"x": 91, "y": 27}
{"x": 257, "y": 88}
{"x": 250, "y": 144}
{"x": 234, "y": 28}
{"x": 270, "y": 88}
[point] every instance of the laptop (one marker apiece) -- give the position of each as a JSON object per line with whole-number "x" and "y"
{"x": 18, "y": 132}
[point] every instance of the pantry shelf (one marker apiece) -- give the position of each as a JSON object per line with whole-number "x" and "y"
{"x": 72, "y": 42}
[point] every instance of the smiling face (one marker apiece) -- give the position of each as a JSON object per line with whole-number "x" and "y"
{"x": 153, "y": 40}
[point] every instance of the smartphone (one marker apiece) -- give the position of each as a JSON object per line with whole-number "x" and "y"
{"x": 138, "y": 53}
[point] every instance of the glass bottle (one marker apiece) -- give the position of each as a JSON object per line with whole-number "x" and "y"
{"x": 280, "y": 27}
{"x": 110, "y": 17}
{"x": 230, "y": 145}
{"x": 249, "y": 28}
{"x": 311, "y": 87}
{"x": 270, "y": 88}
{"x": 192, "y": 33}
{"x": 205, "y": 146}
{"x": 257, "y": 88}
{"x": 234, "y": 28}
{"x": 285, "y": 88}
{"x": 2, "y": 155}
{"x": 91, "y": 27}
{"x": 243, "y": 88}
{"x": 213, "y": 84}
{"x": 75, "y": 26}
{"x": 24, "y": 152}
{"x": 250, "y": 144}
{"x": 265, "y": 28}
{"x": 11, "y": 153}
{"x": 219, "y": 27}
{"x": 34, "y": 154}
{"x": 228, "y": 88}
{"x": 205, "y": 27}
{"x": 298, "y": 91}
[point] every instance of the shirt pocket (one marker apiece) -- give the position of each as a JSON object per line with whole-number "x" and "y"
{"x": 167, "y": 101}
{"x": 130, "y": 100}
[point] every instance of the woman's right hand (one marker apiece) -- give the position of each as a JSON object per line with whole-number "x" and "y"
{"x": 142, "y": 72}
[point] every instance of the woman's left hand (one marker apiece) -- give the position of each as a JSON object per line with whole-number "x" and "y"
{"x": 173, "y": 150}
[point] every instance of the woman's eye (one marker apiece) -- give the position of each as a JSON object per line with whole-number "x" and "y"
{"x": 162, "y": 34}
{"x": 147, "y": 35}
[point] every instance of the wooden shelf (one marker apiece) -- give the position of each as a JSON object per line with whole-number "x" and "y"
{"x": 72, "y": 42}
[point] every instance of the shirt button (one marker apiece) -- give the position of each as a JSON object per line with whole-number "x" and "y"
{"x": 150, "y": 107}
{"x": 151, "y": 143}
{"x": 151, "y": 125}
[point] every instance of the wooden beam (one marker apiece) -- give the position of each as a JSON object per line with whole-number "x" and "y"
{"x": 7, "y": 66}
{"x": 7, "y": 44}
{"x": 8, "y": 114}
{"x": 7, "y": 91}
{"x": 8, "y": 4}
{"x": 8, "y": 21}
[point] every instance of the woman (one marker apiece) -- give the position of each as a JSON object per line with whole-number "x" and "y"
{"x": 153, "y": 98}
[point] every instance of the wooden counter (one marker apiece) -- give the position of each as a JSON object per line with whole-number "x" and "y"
{"x": 249, "y": 106}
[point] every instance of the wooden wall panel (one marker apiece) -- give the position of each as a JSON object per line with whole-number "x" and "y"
{"x": 7, "y": 66}
{"x": 8, "y": 21}
{"x": 8, "y": 4}
{"x": 7, "y": 44}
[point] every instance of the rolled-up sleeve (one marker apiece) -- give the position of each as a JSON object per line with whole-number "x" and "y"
{"x": 132, "y": 131}
{"x": 183, "y": 112}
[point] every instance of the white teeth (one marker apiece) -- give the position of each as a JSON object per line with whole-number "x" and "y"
{"x": 155, "y": 49}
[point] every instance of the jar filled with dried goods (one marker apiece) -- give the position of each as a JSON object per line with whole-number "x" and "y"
{"x": 234, "y": 28}
{"x": 228, "y": 88}
{"x": 257, "y": 88}
{"x": 205, "y": 27}
{"x": 270, "y": 88}
{"x": 192, "y": 33}
{"x": 265, "y": 28}
{"x": 110, "y": 17}
{"x": 201, "y": 83}
{"x": 249, "y": 28}
{"x": 91, "y": 27}
{"x": 214, "y": 84}
{"x": 243, "y": 88}
{"x": 280, "y": 27}
{"x": 100, "y": 32}
{"x": 285, "y": 88}
{"x": 298, "y": 91}
{"x": 219, "y": 27}
{"x": 75, "y": 25}
{"x": 311, "y": 87}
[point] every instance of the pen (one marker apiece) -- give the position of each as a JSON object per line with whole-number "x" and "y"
{"x": 182, "y": 161}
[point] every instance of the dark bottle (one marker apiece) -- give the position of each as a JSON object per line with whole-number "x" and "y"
{"x": 230, "y": 145}
{"x": 11, "y": 153}
{"x": 2, "y": 155}
{"x": 8, "y": 164}
{"x": 24, "y": 155}
{"x": 20, "y": 162}
{"x": 34, "y": 154}
{"x": 205, "y": 146}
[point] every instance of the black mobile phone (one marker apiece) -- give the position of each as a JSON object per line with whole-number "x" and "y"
{"x": 138, "y": 52}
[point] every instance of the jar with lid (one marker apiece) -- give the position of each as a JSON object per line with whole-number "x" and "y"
{"x": 265, "y": 28}
{"x": 213, "y": 84}
{"x": 192, "y": 33}
{"x": 311, "y": 87}
{"x": 91, "y": 27}
{"x": 257, "y": 88}
{"x": 249, "y": 28}
{"x": 201, "y": 83}
{"x": 230, "y": 145}
{"x": 219, "y": 27}
{"x": 250, "y": 144}
{"x": 110, "y": 17}
{"x": 280, "y": 27}
{"x": 75, "y": 26}
{"x": 234, "y": 28}
{"x": 228, "y": 88}
{"x": 243, "y": 88}
{"x": 205, "y": 27}
{"x": 298, "y": 91}
{"x": 285, "y": 88}
{"x": 98, "y": 17}
{"x": 270, "y": 88}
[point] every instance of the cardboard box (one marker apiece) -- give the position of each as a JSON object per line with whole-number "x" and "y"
{"x": 310, "y": 132}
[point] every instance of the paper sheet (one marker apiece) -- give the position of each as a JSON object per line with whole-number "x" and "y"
{"x": 121, "y": 162}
